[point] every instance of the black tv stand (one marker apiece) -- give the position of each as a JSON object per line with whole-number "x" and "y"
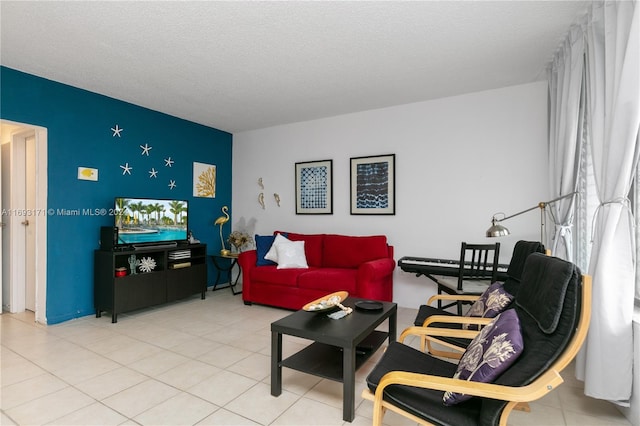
{"x": 171, "y": 244}
{"x": 179, "y": 272}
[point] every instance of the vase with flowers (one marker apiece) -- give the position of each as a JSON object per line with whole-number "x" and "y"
{"x": 240, "y": 241}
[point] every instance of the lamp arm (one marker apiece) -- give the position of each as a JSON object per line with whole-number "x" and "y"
{"x": 540, "y": 205}
{"x": 519, "y": 213}
{"x": 562, "y": 197}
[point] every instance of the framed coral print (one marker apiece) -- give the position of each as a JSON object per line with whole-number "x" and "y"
{"x": 204, "y": 180}
{"x": 314, "y": 187}
{"x": 373, "y": 181}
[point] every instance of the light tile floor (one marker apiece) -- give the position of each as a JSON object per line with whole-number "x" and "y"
{"x": 196, "y": 361}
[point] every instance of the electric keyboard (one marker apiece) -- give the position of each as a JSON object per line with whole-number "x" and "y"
{"x": 433, "y": 266}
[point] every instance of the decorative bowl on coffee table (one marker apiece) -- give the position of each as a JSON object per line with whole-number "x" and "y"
{"x": 324, "y": 303}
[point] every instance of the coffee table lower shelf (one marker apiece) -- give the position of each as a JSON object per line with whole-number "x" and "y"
{"x": 326, "y": 361}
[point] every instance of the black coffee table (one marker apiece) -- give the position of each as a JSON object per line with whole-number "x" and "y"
{"x": 340, "y": 346}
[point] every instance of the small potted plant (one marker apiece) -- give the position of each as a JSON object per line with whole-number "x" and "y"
{"x": 240, "y": 241}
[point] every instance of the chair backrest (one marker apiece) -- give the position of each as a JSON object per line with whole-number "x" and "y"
{"x": 521, "y": 251}
{"x": 548, "y": 305}
{"x": 478, "y": 262}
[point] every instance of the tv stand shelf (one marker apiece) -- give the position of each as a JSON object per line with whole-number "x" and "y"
{"x": 174, "y": 273}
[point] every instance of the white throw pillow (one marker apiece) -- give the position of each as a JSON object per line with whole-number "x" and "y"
{"x": 272, "y": 254}
{"x": 291, "y": 255}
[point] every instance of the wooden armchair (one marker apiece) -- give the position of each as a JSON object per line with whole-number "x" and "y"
{"x": 430, "y": 316}
{"x": 553, "y": 307}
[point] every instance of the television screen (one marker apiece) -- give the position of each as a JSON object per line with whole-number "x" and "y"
{"x": 150, "y": 221}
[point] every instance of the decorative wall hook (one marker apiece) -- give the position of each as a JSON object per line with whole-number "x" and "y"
{"x": 261, "y": 200}
{"x": 260, "y": 183}
{"x": 277, "y": 197}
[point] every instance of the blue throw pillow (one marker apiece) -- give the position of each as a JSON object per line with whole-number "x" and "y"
{"x": 263, "y": 244}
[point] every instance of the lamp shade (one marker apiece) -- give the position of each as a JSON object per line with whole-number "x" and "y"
{"x": 497, "y": 230}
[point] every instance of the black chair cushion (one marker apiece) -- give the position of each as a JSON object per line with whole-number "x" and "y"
{"x": 541, "y": 349}
{"x": 424, "y": 403}
{"x": 426, "y": 311}
{"x": 521, "y": 251}
{"x": 544, "y": 300}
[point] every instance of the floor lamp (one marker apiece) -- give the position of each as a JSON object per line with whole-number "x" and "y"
{"x": 497, "y": 230}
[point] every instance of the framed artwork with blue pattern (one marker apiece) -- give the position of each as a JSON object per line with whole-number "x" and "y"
{"x": 373, "y": 185}
{"x": 314, "y": 187}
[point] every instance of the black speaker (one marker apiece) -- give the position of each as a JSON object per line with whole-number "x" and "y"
{"x": 108, "y": 237}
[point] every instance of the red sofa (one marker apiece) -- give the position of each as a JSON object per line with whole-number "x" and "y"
{"x": 360, "y": 265}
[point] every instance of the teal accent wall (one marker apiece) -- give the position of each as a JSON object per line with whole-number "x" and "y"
{"x": 79, "y": 134}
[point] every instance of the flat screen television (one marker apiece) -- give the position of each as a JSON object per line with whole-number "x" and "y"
{"x": 149, "y": 221}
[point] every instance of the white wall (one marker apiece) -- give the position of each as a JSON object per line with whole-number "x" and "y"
{"x": 459, "y": 160}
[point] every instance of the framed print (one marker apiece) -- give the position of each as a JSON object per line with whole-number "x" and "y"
{"x": 373, "y": 181}
{"x": 204, "y": 180}
{"x": 314, "y": 187}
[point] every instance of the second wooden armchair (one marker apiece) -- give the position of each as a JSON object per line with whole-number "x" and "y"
{"x": 430, "y": 315}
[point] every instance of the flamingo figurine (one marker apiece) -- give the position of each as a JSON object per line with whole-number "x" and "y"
{"x": 221, "y": 221}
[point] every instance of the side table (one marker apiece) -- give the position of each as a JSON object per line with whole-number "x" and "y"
{"x": 220, "y": 262}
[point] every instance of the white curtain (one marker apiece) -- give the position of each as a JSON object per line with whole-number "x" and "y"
{"x": 613, "y": 116}
{"x": 565, "y": 133}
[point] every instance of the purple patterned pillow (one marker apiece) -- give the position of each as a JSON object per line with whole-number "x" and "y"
{"x": 494, "y": 300}
{"x": 490, "y": 353}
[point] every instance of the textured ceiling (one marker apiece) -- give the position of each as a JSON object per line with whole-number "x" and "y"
{"x": 246, "y": 65}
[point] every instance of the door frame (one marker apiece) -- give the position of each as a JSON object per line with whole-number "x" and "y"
{"x": 39, "y": 216}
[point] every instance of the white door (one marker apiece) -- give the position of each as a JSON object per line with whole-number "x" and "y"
{"x": 24, "y": 236}
{"x": 2, "y": 225}
{"x": 18, "y": 191}
{"x": 15, "y": 187}
{"x": 29, "y": 221}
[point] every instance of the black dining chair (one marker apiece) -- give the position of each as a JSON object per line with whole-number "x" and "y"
{"x": 477, "y": 269}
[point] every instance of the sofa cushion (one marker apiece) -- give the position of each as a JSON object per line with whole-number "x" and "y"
{"x": 341, "y": 251}
{"x": 291, "y": 255}
{"x": 329, "y": 279}
{"x": 272, "y": 275}
{"x": 313, "y": 246}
